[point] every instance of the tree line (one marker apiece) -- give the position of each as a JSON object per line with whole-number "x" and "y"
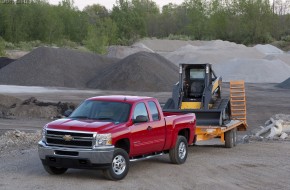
{"x": 240, "y": 21}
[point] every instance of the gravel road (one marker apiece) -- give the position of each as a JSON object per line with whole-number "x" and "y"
{"x": 258, "y": 165}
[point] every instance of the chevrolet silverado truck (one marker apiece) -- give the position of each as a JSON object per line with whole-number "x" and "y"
{"x": 107, "y": 132}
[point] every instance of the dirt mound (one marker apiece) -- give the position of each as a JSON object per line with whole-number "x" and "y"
{"x": 11, "y": 107}
{"x": 54, "y": 67}
{"x": 4, "y": 61}
{"x": 285, "y": 84}
{"x": 141, "y": 71}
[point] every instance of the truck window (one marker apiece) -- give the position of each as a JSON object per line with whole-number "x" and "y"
{"x": 140, "y": 109}
{"x": 154, "y": 111}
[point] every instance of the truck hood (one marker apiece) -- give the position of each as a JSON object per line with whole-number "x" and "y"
{"x": 84, "y": 125}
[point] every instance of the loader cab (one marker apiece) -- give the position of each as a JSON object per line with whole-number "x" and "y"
{"x": 196, "y": 80}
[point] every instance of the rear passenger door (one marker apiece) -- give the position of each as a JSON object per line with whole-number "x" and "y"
{"x": 158, "y": 130}
{"x": 140, "y": 132}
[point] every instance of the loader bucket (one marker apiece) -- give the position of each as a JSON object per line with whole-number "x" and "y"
{"x": 203, "y": 117}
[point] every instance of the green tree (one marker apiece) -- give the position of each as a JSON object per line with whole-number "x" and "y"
{"x": 96, "y": 40}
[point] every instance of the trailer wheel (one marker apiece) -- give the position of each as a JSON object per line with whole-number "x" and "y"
{"x": 229, "y": 139}
{"x": 119, "y": 167}
{"x": 235, "y": 136}
{"x": 178, "y": 154}
{"x": 54, "y": 170}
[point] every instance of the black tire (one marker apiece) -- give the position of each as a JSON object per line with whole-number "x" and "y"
{"x": 235, "y": 136}
{"x": 229, "y": 139}
{"x": 54, "y": 170}
{"x": 119, "y": 167}
{"x": 178, "y": 154}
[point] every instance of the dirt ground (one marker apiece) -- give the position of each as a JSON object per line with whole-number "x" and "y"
{"x": 253, "y": 165}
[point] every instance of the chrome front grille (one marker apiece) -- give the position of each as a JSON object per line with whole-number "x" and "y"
{"x": 69, "y": 138}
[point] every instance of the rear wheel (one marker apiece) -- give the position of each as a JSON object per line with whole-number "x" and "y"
{"x": 229, "y": 139}
{"x": 178, "y": 154}
{"x": 54, "y": 170}
{"x": 119, "y": 167}
{"x": 235, "y": 136}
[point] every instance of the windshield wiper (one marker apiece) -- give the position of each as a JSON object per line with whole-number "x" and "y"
{"x": 81, "y": 117}
{"x": 104, "y": 118}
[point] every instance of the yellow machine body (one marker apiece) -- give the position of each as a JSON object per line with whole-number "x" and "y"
{"x": 190, "y": 105}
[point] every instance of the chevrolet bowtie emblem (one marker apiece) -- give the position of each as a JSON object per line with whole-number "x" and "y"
{"x": 67, "y": 137}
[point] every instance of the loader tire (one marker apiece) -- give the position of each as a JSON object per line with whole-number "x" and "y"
{"x": 178, "y": 154}
{"x": 229, "y": 139}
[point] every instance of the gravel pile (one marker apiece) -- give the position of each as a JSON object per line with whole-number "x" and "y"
{"x": 54, "y": 67}
{"x": 214, "y": 52}
{"x": 253, "y": 70}
{"x": 121, "y": 52}
{"x": 19, "y": 139}
{"x": 142, "y": 71}
{"x": 4, "y": 61}
{"x": 268, "y": 49}
{"x": 285, "y": 84}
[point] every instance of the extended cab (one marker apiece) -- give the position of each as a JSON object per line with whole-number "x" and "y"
{"x": 107, "y": 132}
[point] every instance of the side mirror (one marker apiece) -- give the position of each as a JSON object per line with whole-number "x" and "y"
{"x": 140, "y": 119}
{"x": 67, "y": 112}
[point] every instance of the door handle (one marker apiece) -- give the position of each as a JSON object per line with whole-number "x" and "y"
{"x": 149, "y": 128}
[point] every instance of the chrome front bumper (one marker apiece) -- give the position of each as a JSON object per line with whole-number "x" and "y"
{"x": 97, "y": 156}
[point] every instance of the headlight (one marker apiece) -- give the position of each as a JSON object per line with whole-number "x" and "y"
{"x": 103, "y": 139}
{"x": 43, "y": 133}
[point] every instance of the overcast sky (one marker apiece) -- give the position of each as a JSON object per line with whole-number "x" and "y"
{"x": 109, "y": 3}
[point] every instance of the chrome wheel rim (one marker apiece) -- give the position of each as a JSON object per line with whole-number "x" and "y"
{"x": 182, "y": 150}
{"x": 119, "y": 164}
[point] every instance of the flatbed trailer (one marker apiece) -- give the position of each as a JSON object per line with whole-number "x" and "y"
{"x": 226, "y": 133}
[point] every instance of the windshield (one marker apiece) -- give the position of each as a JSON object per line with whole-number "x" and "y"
{"x": 197, "y": 74}
{"x": 117, "y": 112}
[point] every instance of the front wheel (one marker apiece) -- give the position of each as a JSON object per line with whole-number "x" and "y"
{"x": 54, "y": 170}
{"x": 119, "y": 167}
{"x": 178, "y": 154}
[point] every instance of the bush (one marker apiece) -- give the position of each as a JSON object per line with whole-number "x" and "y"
{"x": 179, "y": 37}
{"x": 67, "y": 44}
{"x": 286, "y": 38}
{"x": 2, "y": 47}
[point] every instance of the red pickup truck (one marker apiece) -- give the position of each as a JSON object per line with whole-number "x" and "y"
{"x": 107, "y": 132}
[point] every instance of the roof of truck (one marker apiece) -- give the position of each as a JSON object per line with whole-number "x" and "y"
{"x": 121, "y": 98}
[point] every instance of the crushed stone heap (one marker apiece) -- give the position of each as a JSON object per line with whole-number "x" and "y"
{"x": 285, "y": 84}
{"x": 54, "y": 67}
{"x": 142, "y": 71}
